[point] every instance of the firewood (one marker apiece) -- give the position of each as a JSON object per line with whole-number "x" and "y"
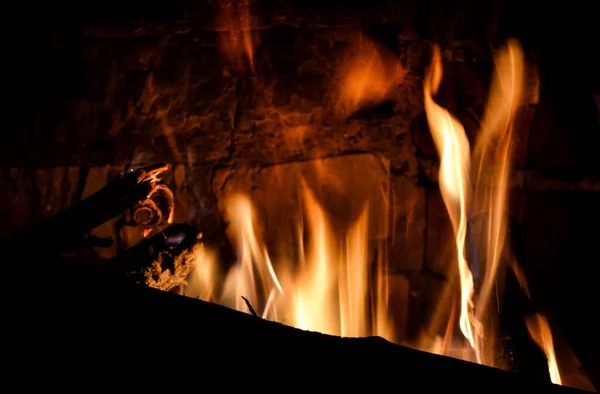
{"x": 100, "y": 324}
{"x": 65, "y": 230}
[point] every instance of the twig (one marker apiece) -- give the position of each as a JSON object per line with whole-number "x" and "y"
{"x": 249, "y": 306}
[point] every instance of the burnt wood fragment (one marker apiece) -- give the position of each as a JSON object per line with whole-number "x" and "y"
{"x": 162, "y": 261}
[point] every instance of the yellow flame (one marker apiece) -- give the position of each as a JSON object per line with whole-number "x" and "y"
{"x": 327, "y": 290}
{"x": 541, "y": 333}
{"x": 314, "y": 290}
{"x": 488, "y": 199}
{"x": 453, "y": 146}
{"x": 492, "y": 157}
{"x": 204, "y": 277}
{"x": 253, "y": 256}
{"x": 539, "y": 329}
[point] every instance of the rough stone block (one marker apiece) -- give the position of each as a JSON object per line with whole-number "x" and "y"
{"x": 30, "y": 196}
{"x": 343, "y": 186}
{"x": 430, "y": 308}
{"x": 408, "y": 221}
{"x": 439, "y": 246}
{"x": 398, "y": 303}
{"x": 17, "y": 208}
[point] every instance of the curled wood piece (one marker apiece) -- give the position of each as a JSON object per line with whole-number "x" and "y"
{"x": 170, "y": 272}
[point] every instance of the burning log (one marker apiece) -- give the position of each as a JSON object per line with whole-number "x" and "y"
{"x": 97, "y": 320}
{"x": 162, "y": 262}
{"x": 66, "y": 230}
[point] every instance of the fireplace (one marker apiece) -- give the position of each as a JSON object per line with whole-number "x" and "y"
{"x": 304, "y": 142}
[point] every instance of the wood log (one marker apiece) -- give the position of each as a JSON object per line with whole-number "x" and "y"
{"x": 65, "y": 230}
{"x": 98, "y": 326}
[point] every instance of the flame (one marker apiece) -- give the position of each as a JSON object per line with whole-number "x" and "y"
{"x": 539, "y": 329}
{"x": 492, "y": 157}
{"x": 235, "y": 42}
{"x": 254, "y": 260}
{"x": 488, "y": 198}
{"x": 452, "y": 144}
{"x": 327, "y": 289}
{"x": 327, "y": 280}
{"x": 367, "y": 78}
{"x": 568, "y": 372}
{"x": 203, "y": 279}
{"x": 480, "y": 210}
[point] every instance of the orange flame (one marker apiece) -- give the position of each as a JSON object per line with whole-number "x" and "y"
{"x": 367, "y": 78}
{"x": 492, "y": 157}
{"x": 327, "y": 290}
{"x": 452, "y": 144}
{"x": 489, "y": 196}
{"x": 236, "y": 40}
{"x": 487, "y": 199}
{"x": 329, "y": 285}
{"x": 540, "y": 333}
{"x": 570, "y": 372}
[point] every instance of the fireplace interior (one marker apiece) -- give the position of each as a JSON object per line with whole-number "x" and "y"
{"x": 285, "y": 151}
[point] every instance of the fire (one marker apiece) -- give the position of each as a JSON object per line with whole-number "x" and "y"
{"x": 541, "y": 333}
{"x": 235, "y": 41}
{"x": 367, "y": 77}
{"x": 326, "y": 290}
{"x": 484, "y": 200}
{"x": 453, "y": 146}
{"x": 327, "y": 280}
{"x": 539, "y": 329}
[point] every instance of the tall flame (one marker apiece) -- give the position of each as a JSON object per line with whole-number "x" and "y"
{"x": 453, "y": 146}
{"x": 492, "y": 158}
{"x": 253, "y": 257}
{"x": 482, "y": 209}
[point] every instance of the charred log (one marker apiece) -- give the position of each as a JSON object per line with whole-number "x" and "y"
{"x": 98, "y": 320}
{"x": 67, "y": 230}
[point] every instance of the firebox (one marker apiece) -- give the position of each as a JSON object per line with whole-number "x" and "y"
{"x": 421, "y": 172}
